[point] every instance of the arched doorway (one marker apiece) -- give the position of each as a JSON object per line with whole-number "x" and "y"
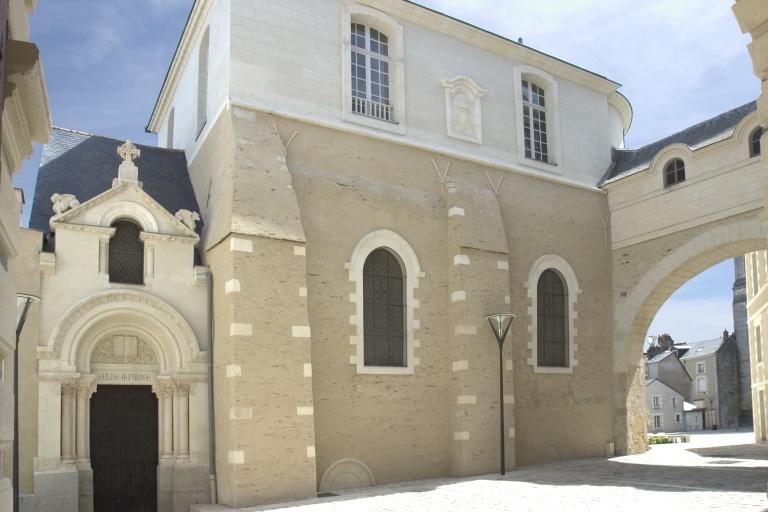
{"x": 149, "y": 425}
{"x": 640, "y": 292}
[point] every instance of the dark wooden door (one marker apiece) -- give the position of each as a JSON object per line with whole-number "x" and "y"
{"x": 124, "y": 449}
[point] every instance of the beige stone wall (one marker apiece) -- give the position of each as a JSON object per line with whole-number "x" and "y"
{"x": 757, "y": 317}
{"x": 443, "y": 418}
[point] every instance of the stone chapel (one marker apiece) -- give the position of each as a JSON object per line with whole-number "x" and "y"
{"x": 288, "y": 295}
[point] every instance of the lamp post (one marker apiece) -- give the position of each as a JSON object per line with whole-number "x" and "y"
{"x": 23, "y": 302}
{"x": 500, "y": 323}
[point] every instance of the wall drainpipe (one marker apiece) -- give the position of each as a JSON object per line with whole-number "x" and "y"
{"x": 211, "y": 422}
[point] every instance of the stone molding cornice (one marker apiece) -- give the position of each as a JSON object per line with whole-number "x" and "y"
{"x": 158, "y": 237}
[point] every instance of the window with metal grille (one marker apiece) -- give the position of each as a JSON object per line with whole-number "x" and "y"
{"x": 552, "y": 319}
{"x": 126, "y": 254}
{"x": 535, "y": 122}
{"x": 674, "y": 172}
{"x": 384, "y": 309}
{"x": 370, "y": 73}
{"x": 754, "y": 142}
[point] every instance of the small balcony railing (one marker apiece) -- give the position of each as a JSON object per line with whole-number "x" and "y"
{"x": 373, "y": 109}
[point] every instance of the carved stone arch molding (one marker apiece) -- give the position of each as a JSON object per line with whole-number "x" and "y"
{"x": 124, "y": 311}
{"x": 347, "y": 474}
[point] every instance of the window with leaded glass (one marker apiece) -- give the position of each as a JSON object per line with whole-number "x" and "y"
{"x": 674, "y": 172}
{"x": 552, "y": 319}
{"x": 535, "y": 122}
{"x": 384, "y": 309}
{"x": 126, "y": 254}
{"x": 754, "y": 142}
{"x": 370, "y": 73}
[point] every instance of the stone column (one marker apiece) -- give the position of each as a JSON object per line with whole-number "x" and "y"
{"x": 104, "y": 255}
{"x": 164, "y": 390}
{"x": 181, "y": 421}
{"x": 85, "y": 388}
{"x": 68, "y": 391}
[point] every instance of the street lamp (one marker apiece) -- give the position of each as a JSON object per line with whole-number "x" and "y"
{"x": 500, "y": 323}
{"x": 23, "y": 302}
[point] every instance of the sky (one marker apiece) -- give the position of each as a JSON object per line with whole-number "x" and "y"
{"x": 105, "y": 62}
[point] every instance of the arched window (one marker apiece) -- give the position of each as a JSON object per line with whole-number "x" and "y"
{"x": 126, "y": 254}
{"x": 370, "y": 73}
{"x": 674, "y": 172}
{"x": 202, "y": 82}
{"x": 384, "y": 309}
{"x": 754, "y": 142}
{"x": 535, "y": 122}
{"x": 552, "y": 320}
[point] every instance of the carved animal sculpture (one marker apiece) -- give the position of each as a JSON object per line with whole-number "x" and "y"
{"x": 64, "y": 202}
{"x": 188, "y": 218}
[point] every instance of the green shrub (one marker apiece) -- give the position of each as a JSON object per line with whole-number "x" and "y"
{"x": 660, "y": 439}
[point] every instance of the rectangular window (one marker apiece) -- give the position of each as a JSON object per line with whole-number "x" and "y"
{"x": 370, "y": 73}
{"x": 674, "y": 401}
{"x": 678, "y": 418}
{"x": 657, "y": 423}
{"x": 701, "y": 385}
{"x": 535, "y": 122}
{"x": 700, "y": 368}
{"x": 656, "y": 401}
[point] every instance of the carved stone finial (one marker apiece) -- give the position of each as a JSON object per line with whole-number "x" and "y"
{"x": 127, "y": 170}
{"x": 188, "y": 218}
{"x": 128, "y": 152}
{"x": 64, "y": 202}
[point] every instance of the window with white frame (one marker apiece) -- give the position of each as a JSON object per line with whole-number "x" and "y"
{"x": 701, "y": 385}
{"x": 657, "y": 423}
{"x": 535, "y": 122}
{"x": 678, "y": 418}
{"x": 701, "y": 367}
{"x": 370, "y": 73}
{"x": 674, "y": 172}
{"x": 553, "y": 289}
{"x": 385, "y": 272}
{"x": 657, "y": 401}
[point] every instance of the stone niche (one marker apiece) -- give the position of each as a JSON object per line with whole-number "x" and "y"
{"x": 463, "y": 103}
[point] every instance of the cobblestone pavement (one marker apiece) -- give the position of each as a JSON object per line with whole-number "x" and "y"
{"x": 715, "y": 471}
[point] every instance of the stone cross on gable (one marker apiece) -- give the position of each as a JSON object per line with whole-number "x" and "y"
{"x": 128, "y": 152}
{"x": 127, "y": 172}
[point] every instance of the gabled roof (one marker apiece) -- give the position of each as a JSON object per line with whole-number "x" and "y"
{"x": 659, "y": 357}
{"x": 648, "y": 382}
{"x": 703, "y": 348}
{"x": 626, "y": 162}
{"x": 85, "y": 164}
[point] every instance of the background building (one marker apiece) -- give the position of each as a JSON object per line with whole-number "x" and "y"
{"x": 25, "y": 119}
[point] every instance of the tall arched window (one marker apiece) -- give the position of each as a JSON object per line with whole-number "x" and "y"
{"x": 202, "y": 82}
{"x": 535, "y": 122}
{"x": 754, "y": 142}
{"x": 552, "y": 320}
{"x": 674, "y": 172}
{"x": 126, "y": 254}
{"x": 370, "y": 73}
{"x": 384, "y": 309}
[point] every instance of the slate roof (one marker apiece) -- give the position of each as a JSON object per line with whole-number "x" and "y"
{"x": 84, "y": 164}
{"x": 703, "y": 348}
{"x": 626, "y": 162}
{"x": 659, "y": 357}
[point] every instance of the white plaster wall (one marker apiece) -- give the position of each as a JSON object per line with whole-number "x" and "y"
{"x": 667, "y": 411}
{"x": 286, "y": 57}
{"x": 721, "y": 180}
{"x": 185, "y": 97}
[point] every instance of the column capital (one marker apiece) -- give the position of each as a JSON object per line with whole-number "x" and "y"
{"x": 69, "y": 387}
{"x": 86, "y": 386}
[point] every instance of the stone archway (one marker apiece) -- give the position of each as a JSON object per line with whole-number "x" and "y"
{"x": 127, "y": 338}
{"x": 638, "y": 295}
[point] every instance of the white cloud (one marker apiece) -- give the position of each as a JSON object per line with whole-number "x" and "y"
{"x": 694, "y": 319}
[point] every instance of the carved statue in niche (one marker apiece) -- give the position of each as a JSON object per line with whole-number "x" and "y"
{"x": 462, "y": 114}
{"x": 124, "y": 350}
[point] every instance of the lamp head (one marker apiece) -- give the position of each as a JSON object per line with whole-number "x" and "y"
{"x": 500, "y": 323}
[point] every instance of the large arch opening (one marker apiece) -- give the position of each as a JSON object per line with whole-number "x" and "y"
{"x": 637, "y": 303}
